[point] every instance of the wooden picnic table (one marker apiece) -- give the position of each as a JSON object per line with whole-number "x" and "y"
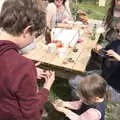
{"x": 74, "y": 62}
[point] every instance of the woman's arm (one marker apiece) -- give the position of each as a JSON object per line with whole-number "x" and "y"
{"x": 50, "y": 12}
{"x": 113, "y": 54}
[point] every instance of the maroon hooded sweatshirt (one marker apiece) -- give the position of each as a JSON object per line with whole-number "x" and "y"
{"x": 19, "y": 97}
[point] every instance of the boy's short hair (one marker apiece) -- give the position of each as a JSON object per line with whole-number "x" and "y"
{"x": 92, "y": 86}
{"x": 16, "y": 16}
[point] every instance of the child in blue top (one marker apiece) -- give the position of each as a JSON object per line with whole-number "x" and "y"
{"x": 92, "y": 91}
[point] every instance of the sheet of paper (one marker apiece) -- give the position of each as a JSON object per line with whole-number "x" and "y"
{"x": 66, "y": 36}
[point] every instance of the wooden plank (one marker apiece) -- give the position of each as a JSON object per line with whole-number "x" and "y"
{"x": 40, "y": 53}
{"x": 73, "y": 56}
{"x": 83, "y": 59}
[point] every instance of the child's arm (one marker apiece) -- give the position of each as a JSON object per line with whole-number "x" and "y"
{"x": 75, "y": 105}
{"x": 90, "y": 114}
{"x": 113, "y": 54}
{"x": 71, "y": 115}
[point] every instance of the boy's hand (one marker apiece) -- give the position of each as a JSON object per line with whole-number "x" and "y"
{"x": 37, "y": 64}
{"x": 49, "y": 79}
{"x": 41, "y": 73}
{"x": 112, "y": 53}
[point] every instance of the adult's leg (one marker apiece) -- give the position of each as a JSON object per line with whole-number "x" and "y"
{"x": 73, "y": 83}
{"x": 115, "y": 95}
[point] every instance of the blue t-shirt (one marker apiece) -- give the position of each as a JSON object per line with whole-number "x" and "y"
{"x": 99, "y": 106}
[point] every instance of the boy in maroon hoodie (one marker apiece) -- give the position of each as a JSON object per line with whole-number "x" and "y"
{"x": 20, "y": 99}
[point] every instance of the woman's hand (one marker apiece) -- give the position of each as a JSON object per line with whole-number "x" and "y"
{"x": 112, "y": 53}
{"x": 67, "y": 112}
{"x": 97, "y": 48}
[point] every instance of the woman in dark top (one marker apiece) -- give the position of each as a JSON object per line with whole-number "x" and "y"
{"x": 113, "y": 17}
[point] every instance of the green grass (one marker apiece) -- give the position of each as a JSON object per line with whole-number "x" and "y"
{"x": 60, "y": 89}
{"x": 112, "y": 111}
{"x": 93, "y": 11}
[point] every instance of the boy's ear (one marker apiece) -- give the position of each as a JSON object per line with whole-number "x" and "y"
{"x": 97, "y": 99}
{"x": 26, "y": 31}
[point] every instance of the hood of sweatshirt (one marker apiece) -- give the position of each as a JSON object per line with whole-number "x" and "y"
{"x": 5, "y": 45}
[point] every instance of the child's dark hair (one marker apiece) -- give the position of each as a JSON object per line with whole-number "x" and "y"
{"x": 92, "y": 86}
{"x": 16, "y": 16}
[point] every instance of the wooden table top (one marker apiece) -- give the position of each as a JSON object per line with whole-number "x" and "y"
{"x": 73, "y": 61}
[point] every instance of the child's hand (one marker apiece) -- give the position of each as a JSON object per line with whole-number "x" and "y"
{"x": 58, "y": 108}
{"x": 63, "y": 110}
{"x": 113, "y": 54}
{"x": 59, "y": 103}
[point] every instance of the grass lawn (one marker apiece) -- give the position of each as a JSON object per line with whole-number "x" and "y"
{"x": 60, "y": 89}
{"x": 93, "y": 11}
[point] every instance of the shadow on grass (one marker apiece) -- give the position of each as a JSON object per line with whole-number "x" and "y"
{"x": 61, "y": 90}
{"x": 53, "y": 114}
